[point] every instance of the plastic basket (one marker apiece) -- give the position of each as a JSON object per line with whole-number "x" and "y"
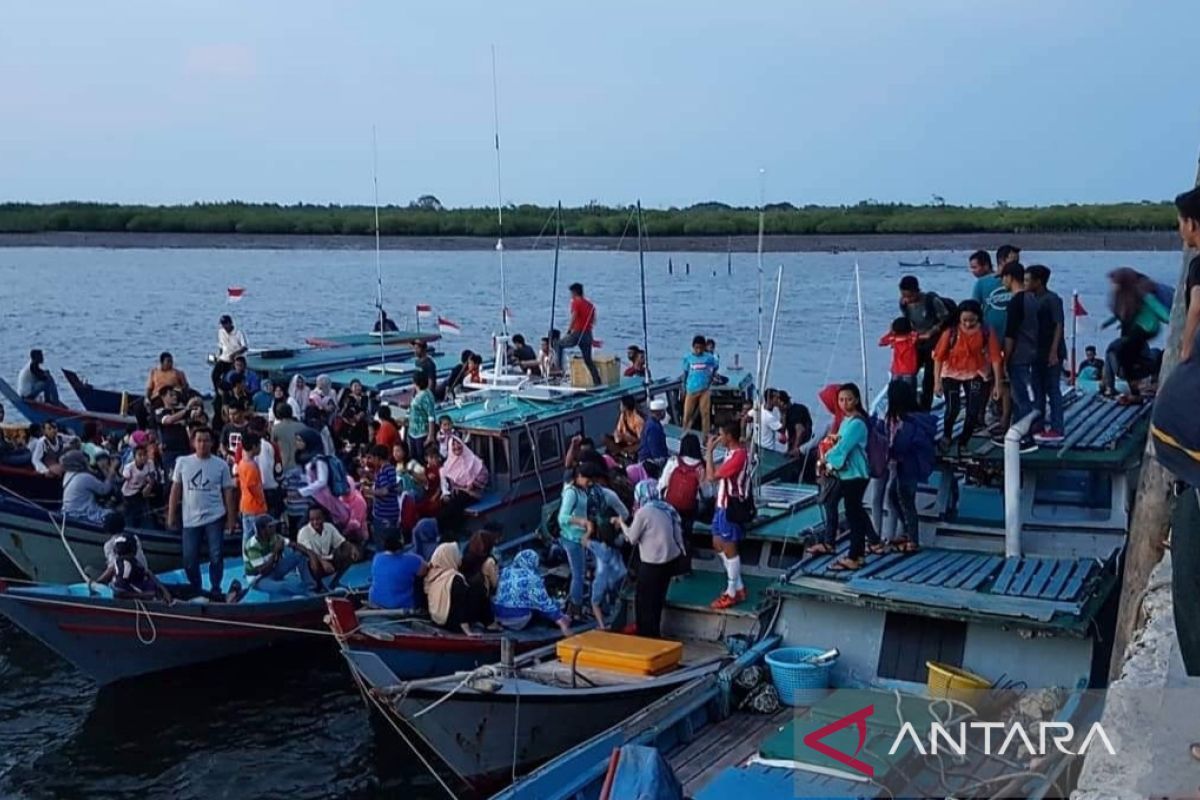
{"x": 957, "y": 684}
{"x": 798, "y": 683}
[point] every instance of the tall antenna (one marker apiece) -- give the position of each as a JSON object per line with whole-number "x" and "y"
{"x": 759, "y": 377}
{"x": 645, "y": 324}
{"x": 499, "y": 196}
{"x": 378, "y": 268}
{"x": 862, "y": 335}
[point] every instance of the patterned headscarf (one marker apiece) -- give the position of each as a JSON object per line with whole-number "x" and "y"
{"x": 645, "y": 494}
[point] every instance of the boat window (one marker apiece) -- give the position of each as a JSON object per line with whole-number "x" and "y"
{"x": 497, "y": 458}
{"x": 524, "y": 453}
{"x": 549, "y": 448}
{"x": 1090, "y": 489}
{"x": 909, "y": 641}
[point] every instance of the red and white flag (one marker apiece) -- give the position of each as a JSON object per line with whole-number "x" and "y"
{"x": 424, "y": 311}
{"x": 446, "y": 326}
{"x": 234, "y": 294}
{"x": 1080, "y": 311}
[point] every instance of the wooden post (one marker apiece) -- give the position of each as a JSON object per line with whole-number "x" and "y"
{"x": 1154, "y": 502}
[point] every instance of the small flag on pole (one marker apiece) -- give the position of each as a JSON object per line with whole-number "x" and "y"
{"x": 1080, "y": 311}
{"x": 446, "y": 326}
{"x": 424, "y": 311}
{"x": 234, "y": 294}
{"x": 597, "y": 343}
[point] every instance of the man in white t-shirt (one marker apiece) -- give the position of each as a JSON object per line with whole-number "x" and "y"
{"x": 329, "y": 553}
{"x": 202, "y": 488}
{"x": 768, "y": 425}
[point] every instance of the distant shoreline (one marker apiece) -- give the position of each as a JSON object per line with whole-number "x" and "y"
{"x": 815, "y": 243}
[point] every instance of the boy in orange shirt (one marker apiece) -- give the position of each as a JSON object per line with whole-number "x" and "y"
{"x": 253, "y": 500}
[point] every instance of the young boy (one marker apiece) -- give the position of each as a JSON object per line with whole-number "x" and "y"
{"x": 1091, "y": 368}
{"x": 253, "y": 500}
{"x": 138, "y": 488}
{"x": 903, "y": 341}
{"x": 384, "y": 495}
{"x": 699, "y": 367}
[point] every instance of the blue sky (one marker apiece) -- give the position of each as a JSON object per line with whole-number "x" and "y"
{"x": 1026, "y": 101}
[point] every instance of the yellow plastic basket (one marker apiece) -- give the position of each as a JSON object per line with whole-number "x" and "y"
{"x": 957, "y": 684}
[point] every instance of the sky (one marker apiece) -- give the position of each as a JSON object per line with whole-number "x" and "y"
{"x": 671, "y": 101}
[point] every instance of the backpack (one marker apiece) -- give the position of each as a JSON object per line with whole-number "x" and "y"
{"x": 683, "y": 488}
{"x": 1164, "y": 294}
{"x": 878, "y": 448}
{"x": 931, "y": 309}
{"x": 339, "y": 481}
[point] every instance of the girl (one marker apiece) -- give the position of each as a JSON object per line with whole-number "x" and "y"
{"x": 966, "y": 359}
{"x": 912, "y": 454}
{"x": 574, "y": 523}
{"x": 846, "y": 461}
{"x": 601, "y": 541}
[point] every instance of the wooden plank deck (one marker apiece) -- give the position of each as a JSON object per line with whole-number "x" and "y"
{"x": 726, "y": 744}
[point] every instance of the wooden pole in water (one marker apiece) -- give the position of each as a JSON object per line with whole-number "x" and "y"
{"x": 1155, "y": 502}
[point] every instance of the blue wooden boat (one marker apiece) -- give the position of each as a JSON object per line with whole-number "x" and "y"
{"x": 30, "y": 538}
{"x": 280, "y": 364}
{"x": 360, "y": 339}
{"x": 111, "y": 640}
{"x": 70, "y": 419}
{"x": 105, "y": 401}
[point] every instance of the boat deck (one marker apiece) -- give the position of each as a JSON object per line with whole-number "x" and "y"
{"x": 696, "y": 591}
{"x": 555, "y": 672}
{"x": 1061, "y": 593}
{"x": 726, "y": 744}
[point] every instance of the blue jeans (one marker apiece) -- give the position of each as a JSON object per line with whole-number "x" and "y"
{"x": 274, "y": 582}
{"x": 213, "y": 534}
{"x": 47, "y": 389}
{"x": 577, "y": 558}
{"x": 584, "y": 342}
{"x": 1020, "y": 378}
{"x": 1048, "y": 386}
{"x": 248, "y": 528}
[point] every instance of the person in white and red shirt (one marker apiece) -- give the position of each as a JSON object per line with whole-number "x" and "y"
{"x": 732, "y": 478}
{"x": 579, "y": 331}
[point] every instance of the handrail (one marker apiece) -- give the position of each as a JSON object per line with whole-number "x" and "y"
{"x": 1012, "y": 482}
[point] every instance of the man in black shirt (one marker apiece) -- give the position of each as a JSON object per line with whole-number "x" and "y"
{"x": 458, "y": 374}
{"x": 172, "y": 428}
{"x": 929, "y": 317}
{"x": 235, "y": 430}
{"x": 424, "y": 363}
{"x": 1188, "y": 206}
{"x": 797, "y": 424}
{"x": 522, "y": 354}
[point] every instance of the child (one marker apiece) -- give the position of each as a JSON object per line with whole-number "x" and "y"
{"x": 601, "y": 540}
{"x": 138, "y": 488}
{"x": 252, "y": 502}
{"x": 903, "y": 341}
{"x": 444, "y": 434}
{"x": 474, "y": 368}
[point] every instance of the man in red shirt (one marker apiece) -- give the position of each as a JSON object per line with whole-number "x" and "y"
{"x": 734, "y": 488}
{"x": 579, "y": 331}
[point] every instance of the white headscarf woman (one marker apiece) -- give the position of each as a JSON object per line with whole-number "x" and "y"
{"x": 298, "y": 394}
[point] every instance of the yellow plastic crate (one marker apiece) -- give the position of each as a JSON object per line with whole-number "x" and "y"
{"x": 957, "y": 684}
{"x": 609, "y": 368}
{"x": 635, "y": 655}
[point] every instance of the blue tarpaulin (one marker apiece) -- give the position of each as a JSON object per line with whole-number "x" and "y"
{"x": 643, "y": 774}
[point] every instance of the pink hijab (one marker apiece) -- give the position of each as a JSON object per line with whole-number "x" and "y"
{"x": 463, "y": 469}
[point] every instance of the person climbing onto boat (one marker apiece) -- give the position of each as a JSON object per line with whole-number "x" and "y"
{"x": 929, "y": 315}
{"x": 251, "y": 381}
{"x": 129, "y": 577}
{"x": 82, "y": 490}
{"x": 424, "y": 364}
{"x": 479, "y": 565}
{"x": 522, "y": 596}
{"x": 1020, "y": 349}
{"x": 1051, "y": 354}
{"x": 394, "y": 577}
{"x": 626, "y": 437}
{"x": 846, "y": 473}
{"x": 579, "y": 331}
{"x": 202, "y": 499}
{"x": 903, "y": 340}
{"x": 268, "y": 560}
{"x": 699, "y": 367}
{"x": 652, "y": 448}
{"x": 47, "y": 450}
{"x": 658, "y": 533}
{"x": 965, "y": 362}
{"x": 458, "y": 373}
{"x": 422, "y": 433}
{"x": 1137, "y": 305}
{"x": 464, "y": 479}
{"x": 35, "y": 382}
{"x": 165, "y": 376}
{"x": 574, "y": 523}
{"x": 735, "y": 507}
{"x": 329, "y": 553}
{"x": 912, "y": 453}
{"x": 1091, "y": 368}
{"x": 452, "y": 603}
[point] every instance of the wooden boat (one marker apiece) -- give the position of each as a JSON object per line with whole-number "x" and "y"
{"x": 69, "y": 418}
{"x": 498, "y": 721}
{"x": 413, "y": 647}
{"x": 105, "y": 401}
{"x": 280, "y": 364}
{"x": 30, "y": 538}
{"x": 924, "y": 263}
{"x": 111, "y": 640}
{"x": 372, "y": 338}
{"x": 29, "y": 484}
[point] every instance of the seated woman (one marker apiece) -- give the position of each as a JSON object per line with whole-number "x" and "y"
{"x": 82, "y": 489}
{"x": 479, "y": 566}
{"x": 627, "y": 436}
{"x": 464, "y": 477}
{"x": 395, "y": 577}
{"x": 522, "y": 595}
{"x": 453, "y": 604}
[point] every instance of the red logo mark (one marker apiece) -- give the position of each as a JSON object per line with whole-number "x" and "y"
{"x": 858, "y": 719}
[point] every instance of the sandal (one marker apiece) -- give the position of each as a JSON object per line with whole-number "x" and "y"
{"x": 909, "y": 547}
{"x": 878, "y": 549}
{"x": 845, "y": 565}
{"x": 818, "y": 549}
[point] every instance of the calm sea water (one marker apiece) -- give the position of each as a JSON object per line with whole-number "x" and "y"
{"x": 287, "y": 723}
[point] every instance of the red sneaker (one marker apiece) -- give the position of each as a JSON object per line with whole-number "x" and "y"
{"x": 740, "y": 597}
{"x": 723, "y": 602}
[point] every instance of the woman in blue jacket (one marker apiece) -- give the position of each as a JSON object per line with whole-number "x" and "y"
{"x": 913, "y": 433}
{"x": 847, "y": 462}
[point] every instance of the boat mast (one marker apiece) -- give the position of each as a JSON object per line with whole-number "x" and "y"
{"x": 378, "y": 268}
{"x": 554, "y": 282}
{"x": 499, "y": 197}
{"x": 862, "y": 335}
{"x": 645, "y": 324}
{"x": 759, "y": 361}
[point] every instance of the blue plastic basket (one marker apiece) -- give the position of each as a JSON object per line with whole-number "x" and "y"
{"x": 799, "y": 684}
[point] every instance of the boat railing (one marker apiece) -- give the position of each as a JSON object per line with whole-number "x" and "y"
{"x": 1012, "y": 482}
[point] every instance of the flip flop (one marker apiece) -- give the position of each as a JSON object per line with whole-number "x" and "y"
{"x": 878, "y": 549}
{"x": 818, "y": 550}
{"x": 845, "y": 565}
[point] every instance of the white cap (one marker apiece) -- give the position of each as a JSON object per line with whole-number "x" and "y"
{"x": 658, "y": 404}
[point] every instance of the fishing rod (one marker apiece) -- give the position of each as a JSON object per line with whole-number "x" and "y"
{"x": 645, "y": 324}
{"x": 499, "y": 196}
{"x": 378, "y": 268}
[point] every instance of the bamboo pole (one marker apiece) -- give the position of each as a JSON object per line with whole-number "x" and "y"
{"x": 1154, "y": 501}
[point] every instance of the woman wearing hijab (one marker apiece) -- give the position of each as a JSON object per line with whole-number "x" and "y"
{"x": 298, "y": 393}
{"x": 522, "y": 595}
{"x": 1136, "y": 307}
{"x": 682, "y": 482}
{"x": 281, "y": 394}
{"x": 479, "y": 566}
{"x": 324, "y": 396}
{"x": 464, "y": 476}
{"x": 82, "y": 489}
{"x": 352, "y": 414}
{"x": 319, "y": 481}
{"x": 657, "y": 532}
{"x": 452, "y": 603}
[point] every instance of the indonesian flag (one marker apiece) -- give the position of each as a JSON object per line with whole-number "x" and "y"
{"x": 424, "y": 311}
{"x": 1080, "y": 311}
{"x": 234, "y": 294}
{"x": 446, "y": 326}
{"x": 597, "y": 343}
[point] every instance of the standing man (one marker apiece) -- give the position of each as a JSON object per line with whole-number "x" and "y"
{"x": 202, "y": 487}
{"x": 35, "y": 380}
{"x": 1006, "y": 254}
{"x": 422, "y": 433}
{"x": 1051, "y": 353}
{"x": 422, "y": 362}
{"x": 653, "y": 446}
{"x": 797, "y": 423}
{"x": 231, "y": 343}
{"x": 165, "y": 376}
{"x": 929, "y": 316}
{"x": 699, "y": 368}
{"x": 1020, "y": 345}
{"x": 1188, "y": 207}
{"x": 989, "y": 291}
{"x": 579, "y": 331}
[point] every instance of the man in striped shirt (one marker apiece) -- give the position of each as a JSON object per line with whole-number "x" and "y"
{"x": 385, "y": 497}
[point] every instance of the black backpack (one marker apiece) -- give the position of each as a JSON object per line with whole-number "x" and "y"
{"x": 931, "y": 309}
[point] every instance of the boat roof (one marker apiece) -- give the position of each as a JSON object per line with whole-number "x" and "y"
{"x": 489, "y": 411}
{"x": 308, "y": 360}
{"x": 372, "y": 338}
{"x": 1100, "y": 434}
{"x": 1053, "y": 594}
